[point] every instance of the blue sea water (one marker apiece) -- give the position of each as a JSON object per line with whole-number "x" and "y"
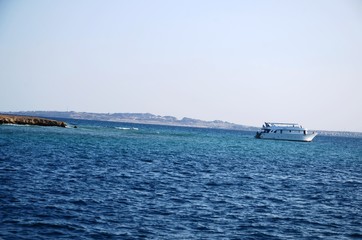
{"x": 107, "y": 180}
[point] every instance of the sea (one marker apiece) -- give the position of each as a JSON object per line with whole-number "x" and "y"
{"x": 108, "y": 180}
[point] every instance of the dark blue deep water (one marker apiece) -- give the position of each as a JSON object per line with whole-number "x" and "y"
{"x": 107, "y": 180}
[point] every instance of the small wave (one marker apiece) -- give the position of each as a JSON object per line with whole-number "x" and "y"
{"x": 125, "y": 128}
{"x": 17, "y": 125}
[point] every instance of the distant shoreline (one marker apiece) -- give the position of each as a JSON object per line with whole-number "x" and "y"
{"x": 138, "y": 118}
{"x": 148, "y": 118}
{"x": 30, "y": 120}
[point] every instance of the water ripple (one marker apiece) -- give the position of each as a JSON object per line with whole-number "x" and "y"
{"x": 110, "y": 181}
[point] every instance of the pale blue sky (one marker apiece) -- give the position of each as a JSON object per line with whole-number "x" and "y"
{"x": 240, "y": 61}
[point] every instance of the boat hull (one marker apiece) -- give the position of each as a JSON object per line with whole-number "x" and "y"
{"x": 288, "y": 137}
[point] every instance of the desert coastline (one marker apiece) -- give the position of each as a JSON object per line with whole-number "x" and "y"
{"x": 29, "y": 120}
{"x": 44, "y": 118}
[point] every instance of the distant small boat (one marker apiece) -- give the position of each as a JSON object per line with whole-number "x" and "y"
{"x": 285, "y": 131}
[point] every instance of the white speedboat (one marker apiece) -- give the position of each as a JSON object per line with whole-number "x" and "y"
{"x": 285, "y": 131}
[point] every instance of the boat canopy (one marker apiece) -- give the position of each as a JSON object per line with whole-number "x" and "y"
{"x": 274, "y": 124}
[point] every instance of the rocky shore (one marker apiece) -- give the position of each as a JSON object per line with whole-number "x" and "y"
{"x": 27, "y": 120}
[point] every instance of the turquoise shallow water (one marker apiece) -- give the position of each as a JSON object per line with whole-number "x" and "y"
{"x": 107, "y": 180}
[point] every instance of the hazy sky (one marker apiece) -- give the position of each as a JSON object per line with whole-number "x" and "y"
{"x": 240, "y": 61}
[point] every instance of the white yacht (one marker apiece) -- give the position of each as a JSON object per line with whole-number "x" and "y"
{"x": 285, "y": 131}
